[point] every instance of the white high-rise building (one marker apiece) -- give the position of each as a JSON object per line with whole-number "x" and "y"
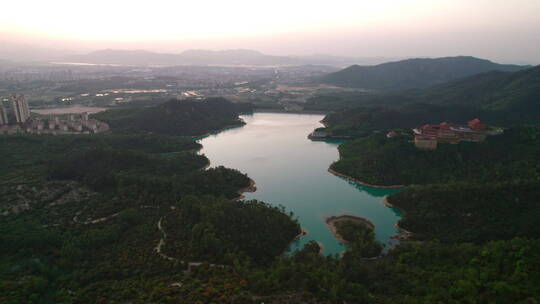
{"x": 20, "y": 107}
{"x": 3, "y": 115}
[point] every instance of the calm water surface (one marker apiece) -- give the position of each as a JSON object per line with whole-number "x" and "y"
{"x": 291, "y": 170}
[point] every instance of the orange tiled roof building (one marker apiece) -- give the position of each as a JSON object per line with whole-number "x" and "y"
{"x": 429, "y": 136}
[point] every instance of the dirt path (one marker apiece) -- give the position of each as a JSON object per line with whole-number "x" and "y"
{"x": 99, "y": 220}
{"x": 161, "y": 243}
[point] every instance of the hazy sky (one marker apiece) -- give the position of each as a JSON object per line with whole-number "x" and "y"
{"x": 504, "y": 30}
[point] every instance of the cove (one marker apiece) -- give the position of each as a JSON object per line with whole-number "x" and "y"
{"x": 291, "y": 170}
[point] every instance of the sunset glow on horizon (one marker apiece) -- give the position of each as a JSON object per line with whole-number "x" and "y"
{"x": 377, "y": 25}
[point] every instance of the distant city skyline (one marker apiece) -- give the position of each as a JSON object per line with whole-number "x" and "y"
{"x": 502, "y": 31}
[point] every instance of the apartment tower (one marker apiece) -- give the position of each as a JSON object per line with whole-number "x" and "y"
{"x": 20, "y": 108}
{"x": 3, "y": 115}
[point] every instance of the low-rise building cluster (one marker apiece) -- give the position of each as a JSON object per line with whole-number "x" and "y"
{"x": 57, "y": 124}
{"x": 23, "y": 122}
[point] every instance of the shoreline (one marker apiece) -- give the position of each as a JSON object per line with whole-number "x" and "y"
{"x": 279, "y": 111}
{"x": 332, "y": 220}
{"x": 251, "y": 188}
{"x": 241, "y": 191}
{"x": 363, "y": 183}
{"x": 388, "y": 204}
{"x": 303, "y": 232}
{"x": 321, "y": 248}
{"x": 404, "y": 234}
{"x": 328, "y": 138}
{"x": 214, "y": 132}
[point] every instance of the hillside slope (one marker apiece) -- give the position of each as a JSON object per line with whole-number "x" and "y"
{"x": 500, "y": 98}
{"x": 493, "y": 91}
{"x": 414, "y": 73}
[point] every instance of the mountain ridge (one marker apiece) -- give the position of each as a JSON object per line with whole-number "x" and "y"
{"x": 498, "y": 98}
{"x": 414, "y": 73}
{"x": 493, "y": 90}
{"x": 212, "y": 57}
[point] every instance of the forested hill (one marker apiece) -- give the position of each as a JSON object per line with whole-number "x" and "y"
{"x": 378, "y": 160}
{"x": 103, "y": 213}
{"x": 176, "y": 117}
{"x": 516, "y": 91}
{"x": 468, "y": 192}
{"x": 114, "y": 218}
{"x": 499, "y": 98}
{"x": 414, "y": 73}
{"x": 362, "y": 121}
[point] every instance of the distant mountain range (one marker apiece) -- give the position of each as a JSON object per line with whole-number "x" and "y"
{"x": 414, "y": 73}
{"x": 210, "y": 57}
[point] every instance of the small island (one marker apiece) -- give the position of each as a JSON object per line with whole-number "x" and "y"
{"x": 357, "y": 233}
{"x": 333, "y": 221}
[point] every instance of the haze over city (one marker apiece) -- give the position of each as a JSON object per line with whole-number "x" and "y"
{"x": 247, "y": 152}
{"x": 490, "y": 29}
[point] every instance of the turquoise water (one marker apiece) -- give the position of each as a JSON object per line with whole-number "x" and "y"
{"x": 291, "y": 170}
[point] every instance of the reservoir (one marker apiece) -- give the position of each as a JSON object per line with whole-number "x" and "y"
{"x": 291, "y": 170}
